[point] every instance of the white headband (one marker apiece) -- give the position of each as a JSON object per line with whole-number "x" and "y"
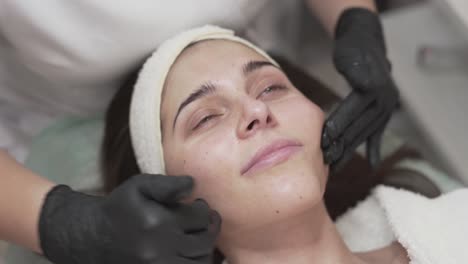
{"x": 145, "y": 124}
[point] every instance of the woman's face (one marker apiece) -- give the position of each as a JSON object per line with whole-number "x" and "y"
{"x": 249, "y": 138}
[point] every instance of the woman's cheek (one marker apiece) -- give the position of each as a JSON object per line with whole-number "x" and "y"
{"x": 300, "y": 112}
{"x": 209, "y": 164}
{"x": 313, "y": 112}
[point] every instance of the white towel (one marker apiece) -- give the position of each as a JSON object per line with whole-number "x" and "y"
{"x": 433, "y": 231}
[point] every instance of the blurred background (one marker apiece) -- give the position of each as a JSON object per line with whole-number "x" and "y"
{"x": 427, "y": 45}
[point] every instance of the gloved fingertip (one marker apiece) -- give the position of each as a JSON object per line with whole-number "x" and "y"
{"x": 373, "y": 156}
{"x": 334, "y": 152}
{"x": 216, "y": 221}
{"x": 337, "y": 148}
{"x": 327, "y": 155}
{"x": 199, "y": 202}
{"x": 325, "y": 142}
{"x": 183, "y": 190}
{"x": 185, "y": 182}
{"x": 373, "y": 149}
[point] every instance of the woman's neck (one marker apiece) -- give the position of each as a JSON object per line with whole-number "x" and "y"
{"x": 310, "y": 237}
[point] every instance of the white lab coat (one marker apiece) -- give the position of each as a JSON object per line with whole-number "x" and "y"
{"x": 62, "y": 58}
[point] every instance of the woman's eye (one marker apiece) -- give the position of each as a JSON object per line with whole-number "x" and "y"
{"x": 271, "y": 89}
{"x": 204, "y": 120}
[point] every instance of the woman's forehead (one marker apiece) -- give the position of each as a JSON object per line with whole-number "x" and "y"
{"x": 206, "y": 61}
{"x": 205, "y": 55}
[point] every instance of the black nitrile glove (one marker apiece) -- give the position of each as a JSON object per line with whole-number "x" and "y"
{"x": 360, "y": 56}
{"x": 142, "y": 221}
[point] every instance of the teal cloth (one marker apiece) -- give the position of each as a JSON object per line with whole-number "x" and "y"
{"x": 68, "y": 152}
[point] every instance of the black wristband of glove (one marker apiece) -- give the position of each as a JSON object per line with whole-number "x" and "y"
{"x": 52, "y": 202}
{"x": 61, "y": 216}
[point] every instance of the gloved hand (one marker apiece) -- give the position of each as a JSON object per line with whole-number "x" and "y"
{"x": 142, "y": 221}
{"x": 360, "y": 56}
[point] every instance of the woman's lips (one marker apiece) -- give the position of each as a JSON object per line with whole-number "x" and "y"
{"x": 271, "y": 155}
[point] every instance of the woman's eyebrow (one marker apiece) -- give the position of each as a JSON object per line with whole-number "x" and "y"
{"x": 203, "y": 90}
{"x": 251, "y": 66}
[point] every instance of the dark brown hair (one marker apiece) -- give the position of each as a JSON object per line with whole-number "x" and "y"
{"x": 118, "y": 162}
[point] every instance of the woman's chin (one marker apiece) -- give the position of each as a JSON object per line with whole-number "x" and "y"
{"x": 273, "y": 195}
{"x": 297, "y": 195}
{"x": 295, "y": 179}
{"x": 286, "y": 192}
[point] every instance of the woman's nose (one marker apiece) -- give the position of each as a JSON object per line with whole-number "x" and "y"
{"x": 256, "y": 115}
